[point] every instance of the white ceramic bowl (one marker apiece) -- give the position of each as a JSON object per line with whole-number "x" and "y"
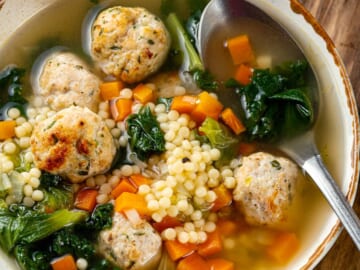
{"x": 336, "y": 129}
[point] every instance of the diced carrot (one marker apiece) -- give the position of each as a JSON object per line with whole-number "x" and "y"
{"x": 7, "y": 129}
{"x": 284, "y": 247}
{"x": 123, "y": 186}
{"x": 223, "y": 198}
{"x": 240, "y": 50}
{"x": 193, "y": 262}
{"x": 184, "y": 104}
{"x": 243, "y": 74}
{"x": 86, "y": 199}
{"x": 247, "y": 148}
{"x": 110, "y": 90}
{"x": 139, "y": 179}
{"x": 206, "y": 106}
{"x": 120, "y": 108}
{"x": 127, "y": 201}
{"x": 212, "y": 245}
{"x": 177, "y": 250}
{"x": 231, "y": 120}
{"x": 65, "y": 262}
{"x": 226, "y": 227}
{"x": 143, "y": 93}
{"x": 220, "y": 264}
{"x": 167, "y": 222}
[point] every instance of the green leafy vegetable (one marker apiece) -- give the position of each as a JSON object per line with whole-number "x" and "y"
{"x": 221, "y": 138}
{"x": 186, "y": 55}
{"x": 276, "y": 103}
{"x": 100, "y": 218}
{"x": 19, "y": 224}
{"x": 145, "y": 134}
{"x": 66, "y": 241}
{"x": 10, "y": 83}
{"x": 57, "y": 193}
{"x": 33, "y": 257}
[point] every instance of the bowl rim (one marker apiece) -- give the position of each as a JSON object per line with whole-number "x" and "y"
{"x": 295, "y": 10}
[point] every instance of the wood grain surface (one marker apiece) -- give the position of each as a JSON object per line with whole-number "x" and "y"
{"x": 341, "y": 20}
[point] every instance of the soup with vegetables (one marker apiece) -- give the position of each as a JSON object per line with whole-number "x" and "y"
{"x": 127, "y": 154}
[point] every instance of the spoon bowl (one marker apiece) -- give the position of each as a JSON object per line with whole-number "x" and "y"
{"x": 301, "y": 148}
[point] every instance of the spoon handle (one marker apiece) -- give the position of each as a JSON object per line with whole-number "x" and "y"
{"x": 315, "y": 167}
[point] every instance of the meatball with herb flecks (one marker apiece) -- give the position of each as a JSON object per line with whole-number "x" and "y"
{"x": 265, "y": 190}
{"x": 74, "y": 143}
{"x": 129, "y": 43}
{"x": 66, "y": 80}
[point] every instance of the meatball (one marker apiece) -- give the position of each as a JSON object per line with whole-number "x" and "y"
{"x": 131, "y": 246}
{"x": 66, "y": 80}
{"x": 129, "y": 43}
{"x": 265, "y": 189}
{"x": 74, "y": 143}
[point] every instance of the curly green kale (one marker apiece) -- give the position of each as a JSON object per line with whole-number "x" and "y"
{"x": 145, "y": 134}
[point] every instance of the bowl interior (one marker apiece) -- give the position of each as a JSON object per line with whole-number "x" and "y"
{"x": 336, "y": 129}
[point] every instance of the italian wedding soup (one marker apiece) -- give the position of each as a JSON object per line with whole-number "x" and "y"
{"x": 120, "y": 150}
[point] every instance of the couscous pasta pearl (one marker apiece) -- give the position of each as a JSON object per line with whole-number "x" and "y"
{"x": 102, "y": 198}
{"x": 34, "y": 182}
{"x": 103, "y": 106}
{"x": 110, "y": 123}
{"x": 160, "y": 108}
{"x": 10, "y": 199}
{"x": 35, "y": 172}
{"x": 24, "y": 142}
{"x": 90, "y": 182}
{"x": 183, "y": 237}
{"x": 28, "y": 157}
{"x": 193, "y": 237}
{"x": 20, "y": 120}
{"x": 209, "y": 226}
{"x": 126, "y": 93}
{"x": 153, "y": 205}
{"x": 169, "y": 234}
{"x": 173, "y": 115}
{"x": 13, "y": 113}
{"x": 82, "y": 264}
{"x": 9, "y": 148}
{"x": 28, "y": 201}
{"x": 172, "y": 211}
{"x": 20, "y": 131}
{"x": 100, "y": 179}
{"x": 103, "y": 114}
{"x": 31, "y": 112}
{"x": 229, "y": 182}
{"x": 105, "y": 188}
{"x": 126, "y": 170}
{"x": 144, "y": 189}
{"x": 123, "y": 141}
{"x": 37, "y": 195}
{"x": 164, "y": 202}
{"x": 7, "y": 166}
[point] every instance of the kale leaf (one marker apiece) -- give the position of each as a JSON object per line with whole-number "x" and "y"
{"x": 66, "y": 241}
{"x": 145, "y": 134}
{"x": 100, "y": 218}
{"x": 33, "y": 257}
{"x": 276, "y": 103}
{"x": 10, "y": 83}
{"x": 166, "y": 101}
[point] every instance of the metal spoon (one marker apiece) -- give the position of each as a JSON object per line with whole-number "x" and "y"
{"x": 302, "y": 148}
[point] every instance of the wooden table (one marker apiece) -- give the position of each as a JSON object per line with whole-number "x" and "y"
{"x": 341, "y": 20}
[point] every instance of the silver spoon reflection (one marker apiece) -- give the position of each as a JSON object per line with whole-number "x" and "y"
{"x": 302, "y": 149}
